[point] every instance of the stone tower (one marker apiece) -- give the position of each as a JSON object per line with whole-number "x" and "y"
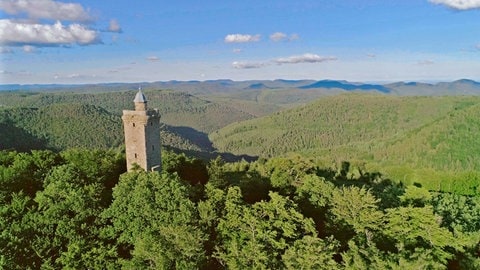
{"x": 142, "y": 135}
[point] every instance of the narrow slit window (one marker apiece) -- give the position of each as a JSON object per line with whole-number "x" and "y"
{"x": 133, "y": 124}
{"x": 135, "y": 155}
{"x": 153, "y": 147}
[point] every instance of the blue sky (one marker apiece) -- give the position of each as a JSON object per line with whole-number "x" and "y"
{"x": 68, "y": 41}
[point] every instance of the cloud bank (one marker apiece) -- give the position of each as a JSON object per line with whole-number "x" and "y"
{"x": 279, "y": 36}
{"x": 295, "y": 59}
{"x": 48, "y": 23}
{"x": 458, "y": 4}
{"x": 18, "y": 34}
{"x": 46, "y": 9}
{"x": 304, "y": 58}
{"x": 247, "y": 65}
{"x": 241, "y": 38}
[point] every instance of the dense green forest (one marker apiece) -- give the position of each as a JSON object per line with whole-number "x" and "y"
{"x": 350, "y": 181}
{"x": 66, "y": 125}
{"x": 412, "y": 139}
{"x": 176, "y": 108}
{"x": 78, "y": 209}
{"x": 427, "y": 140}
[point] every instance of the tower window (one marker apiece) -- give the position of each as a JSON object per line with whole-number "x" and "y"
{"x": 151, "y": 123}
{"x": 135, "y": 155}
{"x": 133, "y": 124}
{"x": 153, "y": 147}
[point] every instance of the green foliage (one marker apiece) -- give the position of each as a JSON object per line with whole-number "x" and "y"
{"x": 428, "y": 140}
{"x": 256, "y": 236}
{"x": 62, "y": 126}
{"x": 288, "y": 171}
{"x": 416, "y": 196}
{"x": 459, "y": 213}
{"x": 152, "y": 212}
{"x": 60, "y": 227}
{"x": 216, "y": 172}
{"x": 357, "y": 208}
{"x": 25, "y": 172}
{"x": 417, "y": 236}
{"x": 79, "y": 210}
{"x": 191, "y": 170}
{"x": 311, "y": 253}
{"x": 317, "y": 191}
{"x": 67, "y": 211}
{"x": 17, "y": 234}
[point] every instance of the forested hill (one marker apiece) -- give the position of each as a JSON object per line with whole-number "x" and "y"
{"x": 66, "y": 125}
{"x": 59, "y": 127}
{"x": 176, "y": 108}
{"x": 434, "y": 132}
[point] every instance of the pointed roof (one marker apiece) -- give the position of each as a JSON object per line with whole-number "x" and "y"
{"x": 140, "y": 97}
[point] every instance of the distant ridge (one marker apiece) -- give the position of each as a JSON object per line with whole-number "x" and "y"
{"x": 346, "y": 86}
{"x": 257, "y": 86}
{"x": 226, "y": 86}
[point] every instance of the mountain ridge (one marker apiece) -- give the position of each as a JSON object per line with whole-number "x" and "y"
{"x": 210, "y": 87}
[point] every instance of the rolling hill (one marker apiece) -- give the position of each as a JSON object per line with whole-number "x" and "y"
{"x": 68, "y": 125}
{"x": 429, "y": 132}
{"x": 176, "y": 108}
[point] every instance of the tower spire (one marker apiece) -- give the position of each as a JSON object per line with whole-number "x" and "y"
{"x": 140, "y": 101}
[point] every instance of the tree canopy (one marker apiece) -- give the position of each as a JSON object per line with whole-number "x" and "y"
{"x": 79, "y": 209}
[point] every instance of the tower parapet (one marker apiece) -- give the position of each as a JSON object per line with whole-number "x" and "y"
{"x": 142, "y": 135}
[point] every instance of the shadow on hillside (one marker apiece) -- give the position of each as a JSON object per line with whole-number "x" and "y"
{"x": 201, "y": 140}
{"x": 205, "y": 155}
{"x": 382, "y": 188}
{"x": 15, "y": 138}
{"x": 197, "y": 137}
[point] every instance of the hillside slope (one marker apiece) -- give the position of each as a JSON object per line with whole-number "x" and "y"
{"x": 176, "y": 108}
{"x": 376, "y": 128}
{"x": 62, "y": 126}
{"x": 66, "y": 125}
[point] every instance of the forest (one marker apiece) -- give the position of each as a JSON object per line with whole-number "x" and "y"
{"x": 253, "y": 179}
{"x": 78, "y": 209}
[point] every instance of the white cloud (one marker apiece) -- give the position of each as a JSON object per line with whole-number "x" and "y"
{"x": 14, "y": 33}
{"x": 304, "y": 58}
{"x": 153, "y": 58}
{"x": 294, "y": 37}
{"x": 46, "y": 9}
{"x": 240, "y": 38}
{"x": 296, "y": 59}
{"x": 247, "y": 65}
{"x": 114, "y": 26}
{"x": 458, "y": 4}
{"x": 28, "y": 49}
{"x": 278, "y": 36}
